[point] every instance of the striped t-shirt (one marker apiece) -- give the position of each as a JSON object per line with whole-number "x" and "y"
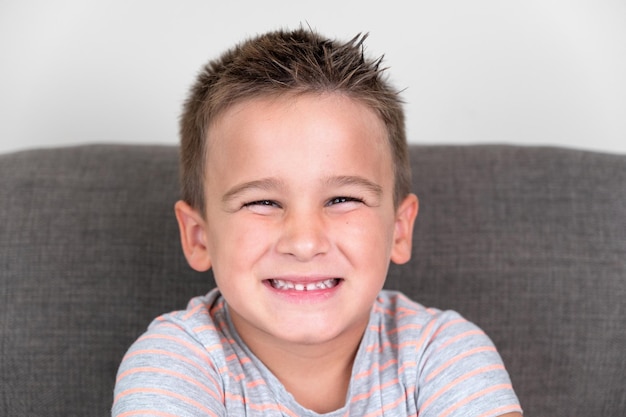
{"x": 412, "y": 361}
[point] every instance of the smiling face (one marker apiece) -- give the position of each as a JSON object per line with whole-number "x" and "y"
{"x": 300, "y": 223}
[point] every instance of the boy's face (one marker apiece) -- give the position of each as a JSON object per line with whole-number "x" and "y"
{"x": 300, "y": 224}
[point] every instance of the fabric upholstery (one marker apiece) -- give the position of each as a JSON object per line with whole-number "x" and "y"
{"x": 528, "y": 242}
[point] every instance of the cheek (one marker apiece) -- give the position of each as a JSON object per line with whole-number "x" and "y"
{"x": 237, "y": 243}
{"x": 368, "y": 237}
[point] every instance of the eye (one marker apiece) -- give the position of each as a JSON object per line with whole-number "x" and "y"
{"x": 261, "y": 206}
{"x": 260, "y": 203}
{"x": 340, "y": 200}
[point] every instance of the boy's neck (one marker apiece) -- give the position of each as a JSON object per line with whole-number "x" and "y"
{"x": 318, "y": 376}
{"x": 318, "y": 382}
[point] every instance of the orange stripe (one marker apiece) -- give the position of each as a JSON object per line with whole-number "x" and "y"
{"x": 380, "y": 348}
{"x": 376, "y": 366}
{"x": 167, "y": 324}
{"x": 157, "y": 391}
{"x": 502, "y": 410}
{"x": 381, "y": 328}
{"x": 146, "y": 412}
{"x": 474, "y": 396}
{"x": 261, "y": 406}
{"x": 193, "y": 311}
{"x": 425, "y": 333}
{"x": 406, "y": 327}
{"x": 457, "y": 358}
{"x": 432, "y": 311}
{"x": 406, "y": 310}
{"x": 217, "y": 307}
{"x": 405, "y": 366}
{"x": 256, "y": 383}
{"x": 205, "y": 328}
{"x": 457, "y": 381}
{"x": 194, "y": 348}
{"x": 236, "y": 377}
{"x": 235, "y": 358}
{"x": 392, "y": 405}
{"x": 174, "y": 374}
{"x": 449, "y": 324}
{"x": 374, "y": 389}
{"x": 386, "y": 311}
{"x": 459, "y": 337}
{"x": 224, "y": 340}
{"x": 411, "y": 303}
{"x": 175, "y": 356}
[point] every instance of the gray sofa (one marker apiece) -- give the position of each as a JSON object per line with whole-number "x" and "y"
{"x": 528, "y": 242}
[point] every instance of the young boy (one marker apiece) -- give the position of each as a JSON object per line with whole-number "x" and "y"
{"x": 296, "y": 192}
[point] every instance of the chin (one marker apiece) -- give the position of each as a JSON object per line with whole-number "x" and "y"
{"x": 319, "y": 334}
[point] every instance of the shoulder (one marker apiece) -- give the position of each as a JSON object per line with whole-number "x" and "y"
{"x": 427, "y": 336}
{"x": 410, "y": 319}
{"x": 457, "y": 368}
{"x": 195, "y": 331}
{"x": 177, "y": 358}
{"x": 395, "y": 310}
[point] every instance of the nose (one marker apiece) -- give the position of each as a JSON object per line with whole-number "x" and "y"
{"x": 304, "y": 235}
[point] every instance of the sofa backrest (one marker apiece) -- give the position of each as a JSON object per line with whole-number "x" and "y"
{"x": 530, "y": 243}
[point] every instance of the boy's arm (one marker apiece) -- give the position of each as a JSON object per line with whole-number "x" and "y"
{"x": 463, "y": 373}
{"x": 167, "y": 373}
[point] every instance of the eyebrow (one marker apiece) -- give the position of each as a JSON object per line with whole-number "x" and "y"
{"x": 262, "y": 184}
{"x": 267, "y": 184}
{"x": 349, "y": 180}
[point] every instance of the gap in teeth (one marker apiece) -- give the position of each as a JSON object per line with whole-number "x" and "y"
{"x": 312, "y": 286}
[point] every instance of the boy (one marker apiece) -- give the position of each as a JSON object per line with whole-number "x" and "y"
{"x": 296, "y": 192}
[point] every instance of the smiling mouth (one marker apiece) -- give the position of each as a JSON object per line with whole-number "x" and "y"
{"x": 284, "y": 285}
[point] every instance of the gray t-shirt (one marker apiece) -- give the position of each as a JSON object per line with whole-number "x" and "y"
{"x": 412, "y": 361}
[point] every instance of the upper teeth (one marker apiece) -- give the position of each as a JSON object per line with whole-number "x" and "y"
{"x": 288, "y": 285}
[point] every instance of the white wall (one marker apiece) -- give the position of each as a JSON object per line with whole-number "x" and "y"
{"x": 549, "y": 72}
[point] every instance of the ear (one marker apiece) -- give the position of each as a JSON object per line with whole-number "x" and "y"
{"x": 193, "y": 236}
{"x": 403, "y": 233}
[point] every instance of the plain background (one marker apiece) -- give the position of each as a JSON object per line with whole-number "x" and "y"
{"x": 532, "y": 72}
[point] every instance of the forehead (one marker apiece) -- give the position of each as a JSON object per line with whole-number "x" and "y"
{"x": 299, "y": 139}
{"x": 253, "y": 115}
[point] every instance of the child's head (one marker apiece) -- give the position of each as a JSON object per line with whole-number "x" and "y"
{"x": 298, "y": 147}
{"x": 287, "y": 63}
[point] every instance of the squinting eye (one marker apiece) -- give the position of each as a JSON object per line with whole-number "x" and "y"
{"x": 261, "y": 207}
{"x": 339, "y": 200}
{"x": 262, "y": 203}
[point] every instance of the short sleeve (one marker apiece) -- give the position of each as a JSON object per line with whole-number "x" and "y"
{"x": 167, "y": 372}
{"x": 461, "y": 373}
